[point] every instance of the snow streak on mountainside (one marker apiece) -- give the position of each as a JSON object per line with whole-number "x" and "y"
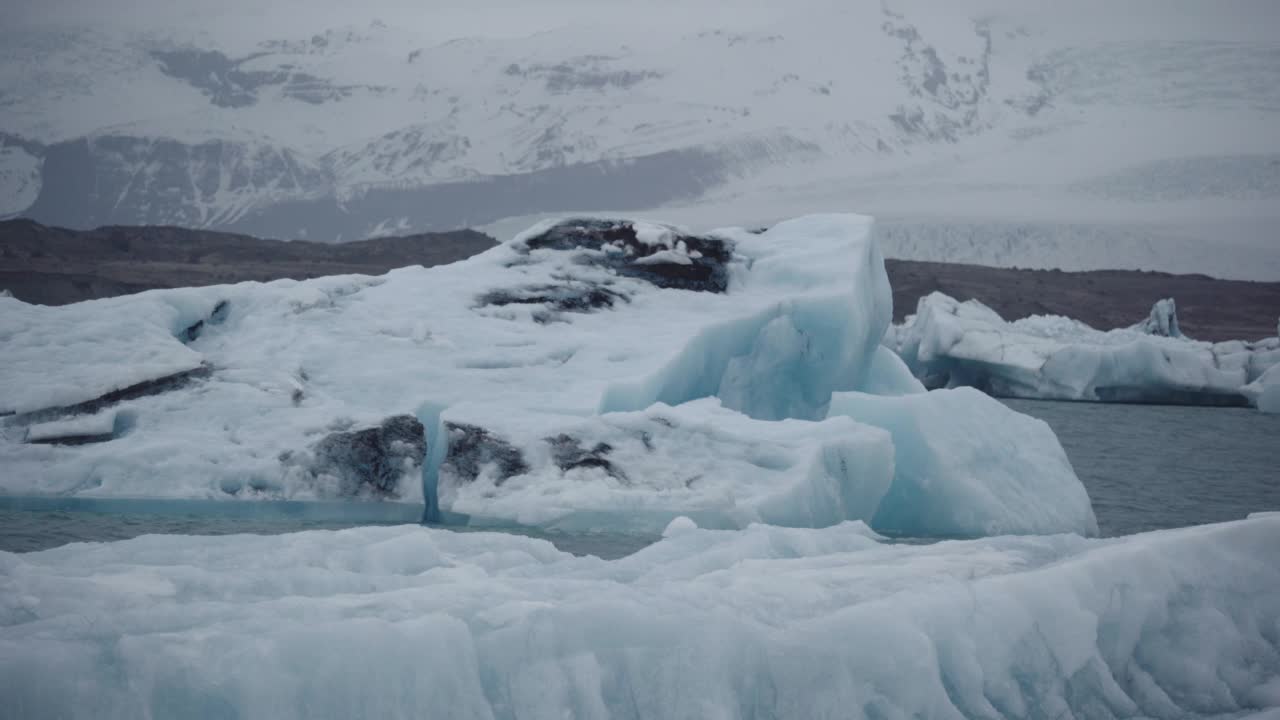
{"x": 337, "y": 124}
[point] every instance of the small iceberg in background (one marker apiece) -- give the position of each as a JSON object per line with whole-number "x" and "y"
{"x": 948, "y": 343}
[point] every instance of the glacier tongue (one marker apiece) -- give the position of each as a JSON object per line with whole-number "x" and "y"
{"x": 549, "y": 381}
{"x": 762, "y": 622}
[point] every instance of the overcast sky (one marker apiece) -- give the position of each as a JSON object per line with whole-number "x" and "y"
{"x": 251, "y": 20}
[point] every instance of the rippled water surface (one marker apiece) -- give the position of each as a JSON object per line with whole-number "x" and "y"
{"x": 1155, "y": 466}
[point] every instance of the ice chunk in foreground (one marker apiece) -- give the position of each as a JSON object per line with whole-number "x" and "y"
{"x": 967, "y": 465}
{"x": 762, "y": 622}
{"x": 949, "y": 343}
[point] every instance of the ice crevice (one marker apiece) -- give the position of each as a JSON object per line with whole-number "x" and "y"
{"x": 588, "y": 374}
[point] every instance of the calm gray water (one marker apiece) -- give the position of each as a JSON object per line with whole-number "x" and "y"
{"x": 1159, "y": 466}
{"x": 1146, "y": 467}
{"x": 28, "y": 524}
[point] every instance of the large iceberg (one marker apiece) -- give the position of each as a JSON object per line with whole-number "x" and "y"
{"x": 549, "y": 381}
{"x": 948, "y": 343}
{"x": 765, "y": 622}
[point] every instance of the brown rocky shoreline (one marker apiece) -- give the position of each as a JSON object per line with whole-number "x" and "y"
{"x": 56, "y": 266}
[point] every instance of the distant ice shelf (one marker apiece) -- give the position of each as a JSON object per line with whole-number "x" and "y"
{"x": 588, "y": 374}
{"x": 948, "y": 343}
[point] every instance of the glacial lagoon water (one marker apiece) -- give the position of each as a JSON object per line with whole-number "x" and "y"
{"x": 1149, "y": 467}
{"x": 1146, "y": 467}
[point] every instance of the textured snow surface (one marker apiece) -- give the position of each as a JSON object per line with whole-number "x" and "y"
{"x": 638, "y": 471}
{"x": 556, "y": 380}
{"x": 951, "y": 343}
{"x": 762, "y": 622}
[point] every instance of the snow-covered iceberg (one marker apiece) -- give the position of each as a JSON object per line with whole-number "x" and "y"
{"x": 763, "y": 622}
{"x": 948, "y": 343}
{"x": 517, "y": 386}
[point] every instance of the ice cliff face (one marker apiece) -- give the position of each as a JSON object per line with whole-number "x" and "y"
{"x": 589, "y": 373}
{"x": 948, "y": 343}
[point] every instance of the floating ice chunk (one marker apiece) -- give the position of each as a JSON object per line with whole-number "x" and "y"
{"x": 1163, "y": 320}
{"x": 1265, "y": 391}
{"x": 967, "y": 465}
{"x": 387, "y": 621}
{"x": 948, "y": 343}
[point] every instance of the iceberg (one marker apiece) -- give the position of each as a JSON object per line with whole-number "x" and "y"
{"x": 967, "y": 465}
{"x": 588, "y": 373}
{"x": 762, "y": 622}
{"x": 948, "y": 343}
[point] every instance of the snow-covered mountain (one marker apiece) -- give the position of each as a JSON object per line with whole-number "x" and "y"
{"x": 1141, "y": 134}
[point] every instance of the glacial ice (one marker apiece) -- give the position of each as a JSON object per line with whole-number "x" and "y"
{"x": 967, "y": 465}
{"x": 948, "y": 343}
{"x": 762, "y": 622}
{"x": 549, "y": 381}
{"x": 638, "y": 471}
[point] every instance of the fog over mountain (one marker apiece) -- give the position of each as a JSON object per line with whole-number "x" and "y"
{"x": 1134, "y": 135}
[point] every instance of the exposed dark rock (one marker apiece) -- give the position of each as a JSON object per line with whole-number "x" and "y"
{"x": 87, "y": 184}
{"x": 227, "y": 84}
{"x": 568, "y": 453}
{"x": 373, "y": 459}
{"x": 143, "y": 389}
{"x": 54, "y": 266}
{"x": 570, "y": 297}
{"x": 616, "y": 246}
{"x": 471, "y": 448}
{"x": 194, "y": 330}
{"x": 73, "y": 439}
